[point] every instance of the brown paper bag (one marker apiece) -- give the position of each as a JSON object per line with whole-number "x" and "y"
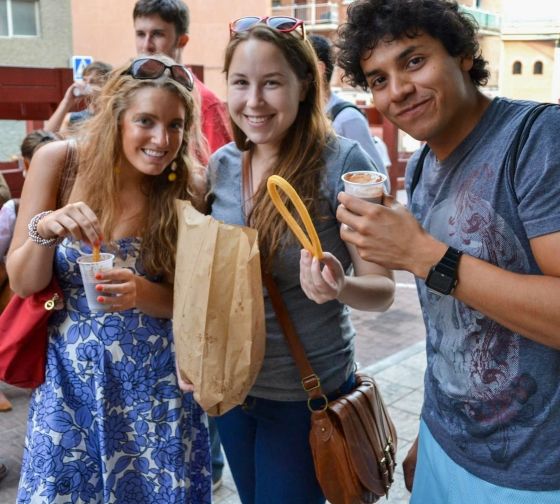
{"x": 218, "y": 309}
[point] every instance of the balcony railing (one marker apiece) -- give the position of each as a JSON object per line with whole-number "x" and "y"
{"x": 315, "y": 15}
{"x": 487, "y": 21}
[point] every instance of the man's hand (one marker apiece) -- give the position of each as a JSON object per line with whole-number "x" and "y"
{"x": 388, "y": 235}
{"x": 409, "y": 465}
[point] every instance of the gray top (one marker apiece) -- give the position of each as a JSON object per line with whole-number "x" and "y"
{"x": 350, "y": 123}
{"x": 324, "y": 329}
{"x": 492, "y": 398}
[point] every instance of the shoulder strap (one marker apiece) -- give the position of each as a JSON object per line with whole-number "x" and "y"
{"x": 519, "y": 140}
{"x": 67, "y": 174}
{"x": 339, "y": 107}
{"x": 309, "y": 380}
{"x": 418, "y": 169}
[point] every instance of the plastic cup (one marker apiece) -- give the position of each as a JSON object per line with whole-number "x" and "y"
{"x": 367, "y": 185}
{"x": 88, "y": 270}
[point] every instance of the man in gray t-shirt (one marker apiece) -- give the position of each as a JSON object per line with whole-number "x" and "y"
{"x": 483, "y": 241}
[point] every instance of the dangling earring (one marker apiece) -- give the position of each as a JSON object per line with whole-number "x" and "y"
{"x": 172, "y": 175}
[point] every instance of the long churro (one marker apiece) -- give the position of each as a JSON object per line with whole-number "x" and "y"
{"x": 311, "y": 243}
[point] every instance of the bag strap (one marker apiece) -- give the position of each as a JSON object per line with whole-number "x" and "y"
{"x": 67, "y": 175}
{"x": 247, "y": 186}
{"x": 340, "y": 106}
{"x": 518, "y": 142}
{"x": 512, "y": 154}
{"x": 309, "y": 380}
{"x": 418, "y": 170}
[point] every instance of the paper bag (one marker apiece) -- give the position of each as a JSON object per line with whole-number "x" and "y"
{"x": 218, "y": 309}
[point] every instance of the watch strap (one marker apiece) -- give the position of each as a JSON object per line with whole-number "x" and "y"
{"x": 449, "y": 262}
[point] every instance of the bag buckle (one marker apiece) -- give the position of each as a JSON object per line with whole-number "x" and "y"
{"x": 324, "y": 407}
{"x": 311, "y": 382}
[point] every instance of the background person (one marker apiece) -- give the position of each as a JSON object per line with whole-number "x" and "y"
{"x": 88, "y": 89}
{"x": 483, "y": 243}
{"x": 274, "y": 99}
{"x": 349, "y": 122}
{"x": 110, "y": 423}
{"x": 162, "y": 26}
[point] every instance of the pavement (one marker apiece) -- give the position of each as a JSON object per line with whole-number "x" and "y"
{"x": 389, "y": 345}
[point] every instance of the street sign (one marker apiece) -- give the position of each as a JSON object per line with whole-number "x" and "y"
{"x": 79, "y": 63}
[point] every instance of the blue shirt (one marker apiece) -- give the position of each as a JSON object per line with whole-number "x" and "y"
{"x": 350, "y": 123}
{"x": 492, "y": 397}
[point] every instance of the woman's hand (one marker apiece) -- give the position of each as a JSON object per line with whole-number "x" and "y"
{"x": 75, "y": 219}
{"x": 321, "y": 285}
{"x": 118, "y": 290}
{"x": 184, "y": 384}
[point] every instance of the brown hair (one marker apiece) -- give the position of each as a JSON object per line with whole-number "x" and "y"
{"x": 35, "y": 140}
{"x": 100, "y": 151}
{"x": 301, "y": 162}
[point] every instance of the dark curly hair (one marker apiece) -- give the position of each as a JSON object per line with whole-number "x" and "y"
{"x": 371, "y": 21}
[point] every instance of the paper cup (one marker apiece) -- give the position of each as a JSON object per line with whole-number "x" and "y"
{"x": 88, "y": 270}
{"x": 367, "y": 185}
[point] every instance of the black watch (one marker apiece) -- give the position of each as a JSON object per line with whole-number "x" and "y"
{"x": 442, "y": 277}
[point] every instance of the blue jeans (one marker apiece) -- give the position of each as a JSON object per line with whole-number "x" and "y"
{"x": 215, "y": 450}
{"x": 267, "y": 447}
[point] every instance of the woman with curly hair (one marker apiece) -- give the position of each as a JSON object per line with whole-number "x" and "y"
{"x": 275, "y": 102}
{"x": 110, "y": 423}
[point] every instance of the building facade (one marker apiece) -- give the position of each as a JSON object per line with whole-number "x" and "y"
{"x": 35, "y": 33}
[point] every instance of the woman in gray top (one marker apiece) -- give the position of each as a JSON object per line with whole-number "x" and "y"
{"x": 274, "y": 99}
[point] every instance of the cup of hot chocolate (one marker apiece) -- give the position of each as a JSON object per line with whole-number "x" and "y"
{"x": 367, "y": 185}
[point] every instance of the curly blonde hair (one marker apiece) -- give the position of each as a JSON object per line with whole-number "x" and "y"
{"x": 301, "y": 162}
{"x": 100, "y": 151}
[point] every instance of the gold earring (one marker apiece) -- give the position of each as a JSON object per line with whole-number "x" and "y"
{"x": 172, "y": 175}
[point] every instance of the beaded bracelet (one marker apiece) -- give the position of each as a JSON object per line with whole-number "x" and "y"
{"x": 36, "y": 237}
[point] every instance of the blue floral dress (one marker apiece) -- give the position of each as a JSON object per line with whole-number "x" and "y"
{"x": 110, "y": 423}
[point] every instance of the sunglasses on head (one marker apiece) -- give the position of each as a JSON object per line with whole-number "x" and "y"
{"x": 150, "y": 68}
{"x": 284, "y": 24}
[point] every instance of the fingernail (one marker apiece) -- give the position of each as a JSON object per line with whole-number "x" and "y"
{"x": 99, "y": 276}
{"x": 99, "y": 288}
{"x": 100, "y": 299}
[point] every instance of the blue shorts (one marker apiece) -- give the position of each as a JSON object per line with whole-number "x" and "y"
{"x": 439, "y": 480}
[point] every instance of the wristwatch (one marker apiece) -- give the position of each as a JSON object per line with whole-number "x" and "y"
{"x": 442, "y": 277}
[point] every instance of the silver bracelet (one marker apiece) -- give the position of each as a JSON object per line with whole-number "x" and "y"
{"x": 36, "y": 237}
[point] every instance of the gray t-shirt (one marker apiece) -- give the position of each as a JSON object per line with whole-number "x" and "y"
{"x": 492, "y": 397}
{"x": 324, "y": 329}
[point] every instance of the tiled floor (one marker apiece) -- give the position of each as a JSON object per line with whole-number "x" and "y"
{"x": 388, "y": 344}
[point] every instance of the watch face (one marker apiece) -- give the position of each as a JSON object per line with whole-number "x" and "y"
{"x": 440, "y": 283}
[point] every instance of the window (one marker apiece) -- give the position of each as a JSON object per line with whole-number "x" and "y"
{"x": 19, "y": 18}
{"x": 538, "y": 68}
{"x": 517, "y": 68}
